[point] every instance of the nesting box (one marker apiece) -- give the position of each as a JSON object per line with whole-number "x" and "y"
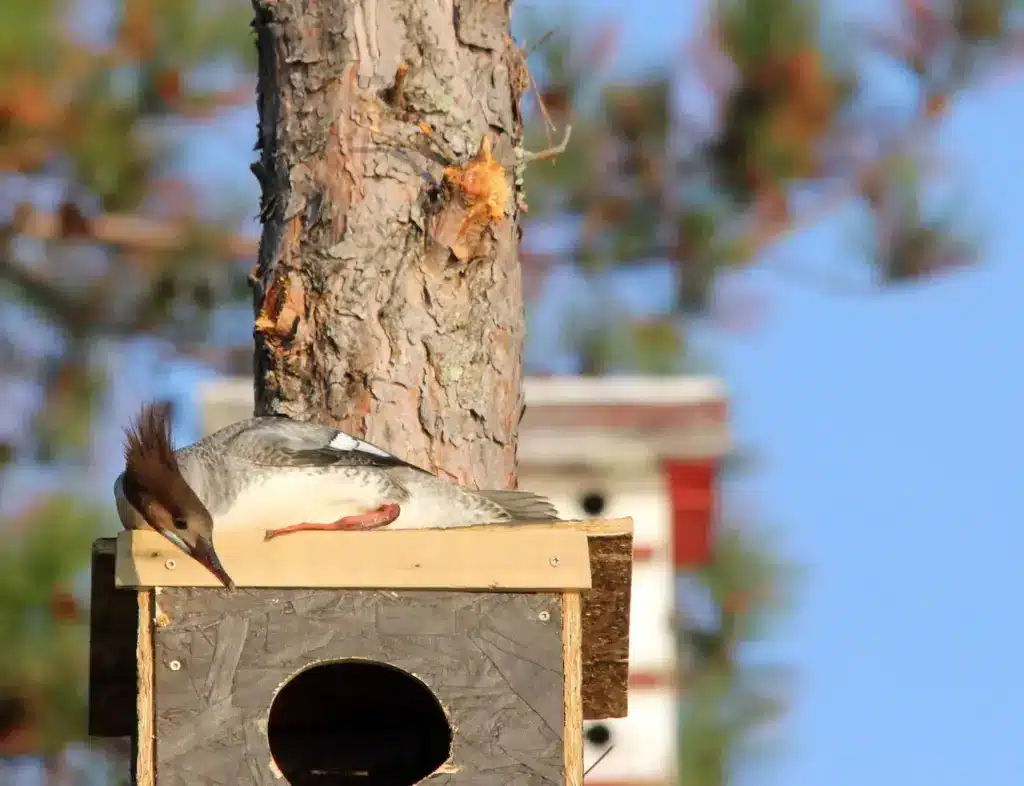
{"x": 464, "y": 656}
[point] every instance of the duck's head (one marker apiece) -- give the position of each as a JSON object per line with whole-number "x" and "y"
{"x": 157, "y": 494}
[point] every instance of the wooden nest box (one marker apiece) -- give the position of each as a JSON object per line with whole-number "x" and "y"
{"x": 465, "y": 656}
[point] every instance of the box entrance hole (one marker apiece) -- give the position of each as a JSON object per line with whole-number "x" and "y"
{"x": 357, "y": 722}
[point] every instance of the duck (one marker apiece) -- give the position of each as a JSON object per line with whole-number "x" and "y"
{"x": 284, "y": 476}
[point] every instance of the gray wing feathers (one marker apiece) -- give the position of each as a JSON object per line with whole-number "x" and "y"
{"x": 521, "y": 505}
{"x": 281, "y": 442}
{"x": 292, "y": 434}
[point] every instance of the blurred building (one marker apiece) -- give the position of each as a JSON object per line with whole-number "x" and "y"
{"x": 642, "y": 447}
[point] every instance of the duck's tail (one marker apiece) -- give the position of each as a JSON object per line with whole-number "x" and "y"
{"x": 522, "y": 505}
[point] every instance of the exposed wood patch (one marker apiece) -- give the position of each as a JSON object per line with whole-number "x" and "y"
{"x": 284, "y": 306}
{"x": 476, "y": 197}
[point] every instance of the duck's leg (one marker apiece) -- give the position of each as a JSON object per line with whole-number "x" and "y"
{"x": 372, "y": 519}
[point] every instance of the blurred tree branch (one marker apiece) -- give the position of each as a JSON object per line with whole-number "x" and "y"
{"x": 798, "y": 131}
{"x": 794, "y": 139}
{"x": 94, "y": 114}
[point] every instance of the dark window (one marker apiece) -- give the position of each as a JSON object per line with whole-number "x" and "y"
{"x": 598, "y": 735}
{"x": 593, "y": 503}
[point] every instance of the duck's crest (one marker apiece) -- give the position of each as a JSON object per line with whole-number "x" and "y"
{"x": 149, "y": 457}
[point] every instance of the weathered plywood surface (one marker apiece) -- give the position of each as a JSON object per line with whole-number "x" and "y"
{"x": 605, "y": 615}
{"x": 113, "y": 626}
{"x": 506, "y": 558}
{"x": 605, "y": 630}
{"x": 494, "y": 660}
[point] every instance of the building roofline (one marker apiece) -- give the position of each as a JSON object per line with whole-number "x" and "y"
{"x": 685, "y": 390}
{"x": 225, "y": 390}
{"x": 555, "y": 390}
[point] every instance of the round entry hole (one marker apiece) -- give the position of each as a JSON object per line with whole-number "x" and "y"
{"x": 357, "y": 722}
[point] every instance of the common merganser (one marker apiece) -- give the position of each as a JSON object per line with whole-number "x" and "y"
{"x": 283, "y": 476}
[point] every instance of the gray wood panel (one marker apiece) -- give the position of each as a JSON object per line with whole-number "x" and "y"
{"x": 493, "y": 660}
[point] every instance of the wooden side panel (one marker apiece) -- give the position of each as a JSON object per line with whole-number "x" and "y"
{"x": 572, "y": 660}
{"x": 143, "y": 760}
{"x": 606, "y": 627}
{"x": 493, "y": 660}
{"x": 113, "y": 632}
{"x": 605, "y": 614}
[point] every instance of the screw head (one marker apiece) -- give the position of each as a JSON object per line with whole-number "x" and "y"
{"x": 174, "y": 665}
{"x": 554, "y": 562}
{"x": 170, "y": 564}
{"x": 544, "y": 616}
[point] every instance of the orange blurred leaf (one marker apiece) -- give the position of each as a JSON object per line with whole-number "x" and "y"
{"x": 26, "y": 101}
{"x": 63, "y": 605}
{"x": 72, "y": 223}
{"x": 168, "y": 85}
{"x": 936, "y": 104}
{"x": 136, "y": 36}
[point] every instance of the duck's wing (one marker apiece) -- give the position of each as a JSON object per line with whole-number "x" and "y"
{"x": 281, "y": 442}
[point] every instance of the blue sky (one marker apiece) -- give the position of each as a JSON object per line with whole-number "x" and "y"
{"x": 889, "y": 434}
{"x": 889, "y": 430}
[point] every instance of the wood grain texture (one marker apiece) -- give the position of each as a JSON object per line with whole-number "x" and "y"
{"x": 572, "y": 667}
{"x": 606, "y": 628}
{"x": 493, "y": 660}
{"x": 113, "y": 633}
{"x": 505, "y": 558}
{"x": 143, "y": 769}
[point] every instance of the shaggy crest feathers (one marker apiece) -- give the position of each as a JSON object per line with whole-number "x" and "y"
{"x": 150, "y": 463}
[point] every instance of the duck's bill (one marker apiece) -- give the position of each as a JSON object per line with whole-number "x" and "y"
{"x": 207, "y": 557}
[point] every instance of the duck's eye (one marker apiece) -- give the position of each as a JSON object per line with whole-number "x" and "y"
{"x": 180, "y": 523}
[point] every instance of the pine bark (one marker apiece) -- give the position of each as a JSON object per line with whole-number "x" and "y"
{"x": 363, "y": 320}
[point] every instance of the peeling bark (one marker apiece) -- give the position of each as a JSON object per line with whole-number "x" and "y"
{"x": 363, "y": 320}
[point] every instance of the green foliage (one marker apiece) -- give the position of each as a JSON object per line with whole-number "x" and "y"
{"x": 982, "y": 21}
{"x": 747, "y": 581}
{"x": 560, "y": 183}
{"x": 606, "y": 343}
{"x": 62, "y": 427}
{"x": 123, "y": 254}
{"x": 42, "y": 662}
{"x": 791, "y": 107}
{"x": 728, "y": 698}
{"x": 89, "y": 119}
{"x": 646, "y": 183}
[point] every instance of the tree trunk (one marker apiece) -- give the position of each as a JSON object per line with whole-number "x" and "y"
{"x": 364, "y": 320}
